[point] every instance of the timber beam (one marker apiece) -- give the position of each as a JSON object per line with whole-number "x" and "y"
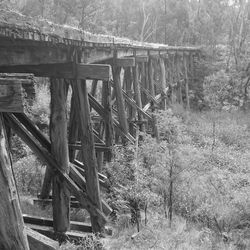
{"x": 141, "y": 59}
{"x": 131, "y": 102}
{"x": 84, "y": 199}
{"x": 22, "y": 53}
{"x": 122, "y": 62}
{"x": 63, "y": 70}
{"x": 27, "y": 123}
{"x": 47, "y": 231}
{"x": 39, "y": 241}
{"x": 11, "y": 99}
{"x": 74, "y": 225}
{"x": 99, "y": 147}
{"x": 102, "y": 112}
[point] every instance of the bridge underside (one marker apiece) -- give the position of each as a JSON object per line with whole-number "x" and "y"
{"x": 129, "y": 81}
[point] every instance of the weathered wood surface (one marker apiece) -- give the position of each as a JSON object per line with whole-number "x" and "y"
{"x": 49, "y": 232}
{"x": 45, "y": 31}
{"x": 133, "y": 103}
{"x": 63, "y": 70}
{"x": 163, "y": 82}
{"x": 75, "y": 175}
{"x": 141, "y": 59}
{"x": 59, "y": 149}
{"x": 88, "y": 151}
{"x": 11, "y": 99}
{"x": 122, "y": 62}
{"x": 38, "y": 241}
{"x": 21, "y": 53}
{"x": 102, "y": 112}
{"x": 131, "y": 110}
{"x": 48, "y": 159}
{"x": 99, "y": 147}
{"x": 94, "y": 87}
{"x": 34, "y": 130}
{"x": 109, "y": 127}
{"x": 42, "y": 221}
{"x": 120, "y": 100}
{"x": 12, "y": 233}
{"x": 73, "y": 127}
{"x": 137, "y": 91}
{"x": 151, "y": 77}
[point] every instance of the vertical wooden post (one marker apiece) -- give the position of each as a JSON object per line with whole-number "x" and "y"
{"x": 93, "y": 87}
{"x": 47, "y": 183}
{"x": 73, "y": 126}
{"x": 169, "y": 75}
{"x": 109, "y": 131}
{"x": 100, "y": 155}
{"x": 186, "y": 82}
{"x": 119, "y": 98}
{"x": 151, "y": 77}
{"x": 179, "y": 80}
{"x": 144, "y": 82}
{"x": 88, "y": 150}
{"x": 59, "y": 148}
{"x": 12, "y": 232}
{"x": 163, "y": 82}
{"x": 137, "y": 94}
{"x": 128, "y": 88}
{"x": 173, "y": 64}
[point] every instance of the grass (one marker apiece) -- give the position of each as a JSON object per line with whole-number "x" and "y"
{"x": 157, "y": 234}
{"x": 212, "y": 195}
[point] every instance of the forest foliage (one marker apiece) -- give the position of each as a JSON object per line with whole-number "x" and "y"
{"x": 175, "y": 22}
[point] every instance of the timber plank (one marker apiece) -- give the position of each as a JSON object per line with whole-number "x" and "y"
{"x": 131, "y": 102}
{"x": 102, "y": 112}
{"x": 48, "y": 202}
{"x": 63, "y": 70}
{"x": 38, "y": 241}
{"x": 109, "y": 128}
{"x": 119, "y": 98}
{"x": 12, "y": 233}
{"x": 141, "y": 59}
{"x": 47, "y": 158}
{"x": 88, "y": 151}
{"x": 99, "y": 147}
{"x": 42, "y": 221}
{"x": 11, "y": 99}
{"x": 27, "y": 123}
{"x": 122, "y": 62}
{"x": 59, "y": 149}
{"x": 49, "y": 232}
{"x": 137, "y": 91}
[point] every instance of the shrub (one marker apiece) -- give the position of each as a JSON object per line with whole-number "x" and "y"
{"x": 40, "y": 111}
{"x": 224, "y": 90}
{"x": 28, "y": 174}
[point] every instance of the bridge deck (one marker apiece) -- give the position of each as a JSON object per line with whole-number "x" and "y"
{"x": 17, "y": 28}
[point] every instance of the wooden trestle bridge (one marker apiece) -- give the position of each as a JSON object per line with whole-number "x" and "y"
{"x": 133, "y": 77}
